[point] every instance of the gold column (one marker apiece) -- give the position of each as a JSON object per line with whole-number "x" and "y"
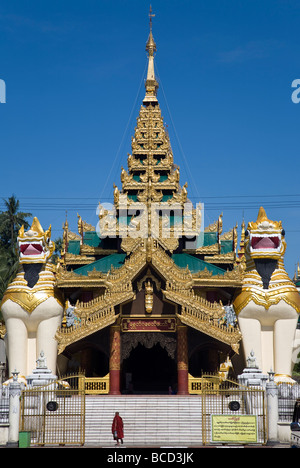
{"x": 182, "y": 360}
{"x": 115, "y": 360}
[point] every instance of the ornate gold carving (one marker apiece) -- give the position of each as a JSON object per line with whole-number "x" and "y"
{"x": 230, "y": 235}
{"x": 132, "y": 340}
{"x": 130, "y": 244}
{"x": 115, "y": 348}
{"x": 209, "y": 249}
{"x": 78, "y": 259}
{"x": 2, "y": 330}
{"x": 182, "y": 348}
{"x": 203, "y": 315}
{"x": 73, "y": 236}
{"x": 216, "y": 226}
{"x": 193, "y": 318}
{"x": 233, "y": 278}
{"x": 90, "y": 250}
{"x": 83, "y": 226}
{"x": 99, "y": 312}
{"x": 148, "y": 296}
{"x": 153, "y": 279}
{"x": 89, "y": 324}
{"x": 229, "y": 257}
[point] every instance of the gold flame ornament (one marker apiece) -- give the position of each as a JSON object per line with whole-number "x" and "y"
{"x": 148, "y": 297}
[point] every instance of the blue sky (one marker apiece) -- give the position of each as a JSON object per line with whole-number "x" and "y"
{"x": 74, "y": 74}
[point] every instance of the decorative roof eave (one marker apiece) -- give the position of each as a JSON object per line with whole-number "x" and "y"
{"x": 217, "y": 282}
{"x": 216, "y": 226}
{"x": 167, "y": 268}
{"x": 187, "y": 298}
{"x": 230, "y": 278}
{"x": 72, "y": 259}
{"x": 116, "y": 277}
{"x": 91, "y": 250}
{"x": 202, "y": 315}
{"x": 94, "y": 315}
{"x": 229, "y": 257}
{"x": 231, "y": 336}
{"x": 88, "y": 326}
{"x": 213, "y": 249}
{"x": 69, "y": 279}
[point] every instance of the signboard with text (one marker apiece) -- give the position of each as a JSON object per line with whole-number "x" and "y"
{"x": 233, "y": 428}
{"x": 150, "y": 325}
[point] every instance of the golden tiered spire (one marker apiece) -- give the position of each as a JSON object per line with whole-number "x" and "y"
{"x": 152, "y": 175}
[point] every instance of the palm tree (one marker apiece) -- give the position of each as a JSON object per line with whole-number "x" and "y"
{"x": 58, "y": 248}
{"x": 9, "y": 262}
{"x": 11, "y": 221}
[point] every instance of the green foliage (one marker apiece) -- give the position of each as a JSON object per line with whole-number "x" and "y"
{"x": 58, "y": 248}
{"x": 11, "y": 220}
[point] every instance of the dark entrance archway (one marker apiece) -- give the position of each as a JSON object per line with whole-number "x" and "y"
{"x": 151, "y": 371}
{"x": 204, "y": 359}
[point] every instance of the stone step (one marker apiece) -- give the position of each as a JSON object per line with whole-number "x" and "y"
{"x": 148, "y": 420}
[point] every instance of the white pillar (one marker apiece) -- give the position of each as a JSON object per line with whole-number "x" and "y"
{"x": 272, "y": 409}
{"x": 14, "y": 411}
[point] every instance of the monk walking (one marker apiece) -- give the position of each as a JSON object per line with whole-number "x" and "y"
{"x": 117, "y": 428}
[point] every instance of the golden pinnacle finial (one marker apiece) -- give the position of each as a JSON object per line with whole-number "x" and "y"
{"x": 151, "y": 83}
{"x": 150, "y": 17}
{"x": 150, "y": 46}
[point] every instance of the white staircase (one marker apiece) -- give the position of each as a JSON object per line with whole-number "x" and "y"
{"x": 159, "y": 421}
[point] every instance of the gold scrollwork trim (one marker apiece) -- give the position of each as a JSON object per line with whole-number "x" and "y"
{"x": 29, "y": 301}
{"x": 2, "y": 330}
{"x": 267, "y": 300}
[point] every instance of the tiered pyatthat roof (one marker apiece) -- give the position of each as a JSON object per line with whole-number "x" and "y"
{"x": 151, "y": 182}
{"x": 152, "y": 175}
{"x": 149, "y": 208}
{"x": 151, "y": 232}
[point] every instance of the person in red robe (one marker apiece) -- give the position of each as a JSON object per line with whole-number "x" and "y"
{"x": 117, "y": 428}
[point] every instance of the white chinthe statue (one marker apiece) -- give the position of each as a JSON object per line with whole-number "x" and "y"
{"x": 31, "y": 307}
{"x": 268, "y": 304}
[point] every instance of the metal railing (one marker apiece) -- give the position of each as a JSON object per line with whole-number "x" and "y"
{"x": 232, "y": 413}
{"x": 287, "y": 396}
{"x": 4, "y": 405}
{"x": 53, "y": 415}
{"x": 89, "y": 385}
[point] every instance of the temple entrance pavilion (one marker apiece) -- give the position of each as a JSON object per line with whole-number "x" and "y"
{"x": 139, "y": 360}
{"x": 148, "y": 289}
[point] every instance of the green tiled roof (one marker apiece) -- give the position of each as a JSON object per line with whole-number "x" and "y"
{"x": 210, "y": 238}
{"x": 74, "y": 247}
{"x": 195, "y": 264}
{"x": 226, "y": 246}
{"x": 91, "y": 238}
{"x": 103, "y": 265}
